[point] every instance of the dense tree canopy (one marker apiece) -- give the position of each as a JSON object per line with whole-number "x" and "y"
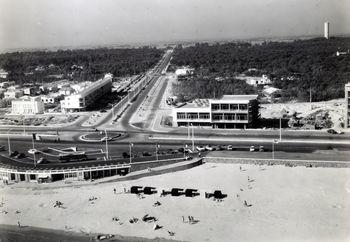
{"x": 293, "y": 66}
{"x": 80, "y": 65}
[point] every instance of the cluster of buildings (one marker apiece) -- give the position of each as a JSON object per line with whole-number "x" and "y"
{"x": 32, "y": 99}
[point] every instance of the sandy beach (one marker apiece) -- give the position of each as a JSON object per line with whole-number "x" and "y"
{"x": 287, "y": 204}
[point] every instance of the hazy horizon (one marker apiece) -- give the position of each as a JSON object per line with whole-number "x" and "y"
{"x": 40, "y": 24}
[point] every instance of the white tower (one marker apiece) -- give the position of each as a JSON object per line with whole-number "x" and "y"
{"x": 326, "y": 30}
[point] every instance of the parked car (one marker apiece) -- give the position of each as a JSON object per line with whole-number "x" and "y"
{"x": 261, "y": 148}
{"x": 14, "y": 153}
{"x": 20, "y": 156}
{"x": 188, "y": 158}
{"x": 33, "y": 151}
{"x": 41, "y": 160}
{"x": 332, "y": 131}
{"x": 2, "y": 147}
{"x": 209, "y": 147}
{"x": 200, "y": 148}
{"x": 252, "y": 148}
{"x": 146, "y": 154}
{"x": 229, "y": 147}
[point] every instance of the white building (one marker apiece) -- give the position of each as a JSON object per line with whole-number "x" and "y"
{"x": 326, "y": 30}
{"x": 255, "y": 80}
{"x": 12, "y": 94}
{"x": 184, "y": 71}
{"x": 85, "y": 98}
{"x": 27, "y": 106}
{"x": 3, "y": 73}
{"x": 231, "y": 111}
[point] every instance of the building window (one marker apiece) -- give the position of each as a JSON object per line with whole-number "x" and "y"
{"x": 243, "y": 106}
{"x": 229, "y": 116}
{"x": 242, "y": 117}
{"x": 204, "y": 116}
{"x": 224, "y": 106}
{"x": 181, "y": 116}
{"x": 215, "y": 106}
{"x": 192, "y": 115}
{"x": 217, "y": 116}
{"x": 233, "y": 106}
{"x": 32, "y": 176}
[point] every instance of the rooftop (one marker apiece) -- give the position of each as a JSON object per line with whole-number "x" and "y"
{"x": 239, "y": 97}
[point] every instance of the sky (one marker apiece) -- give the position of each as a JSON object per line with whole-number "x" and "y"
{"x": 60, "y": 23}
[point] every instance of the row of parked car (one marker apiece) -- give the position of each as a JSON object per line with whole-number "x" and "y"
{"x": 226, "y": 147}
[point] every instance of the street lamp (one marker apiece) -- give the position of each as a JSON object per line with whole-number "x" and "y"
{"x": 274, "y": 141}
{"x": 157, "y": 146}
{"x": 34, "y": 151}
{"x": 8, "y": 141}
{"x": 106, "y": 137}
{"x": 192, "y": 137}
{"x": 130, "y": 155}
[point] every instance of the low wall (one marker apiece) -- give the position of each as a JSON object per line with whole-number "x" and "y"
{"x": 180, "y": 166}
{"x": 307, "y": 163}
{"x": 151, "y": 164}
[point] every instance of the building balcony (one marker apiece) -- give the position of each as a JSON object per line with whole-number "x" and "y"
{"x": 231, "y": 121}
{"x": 230, "y": 111}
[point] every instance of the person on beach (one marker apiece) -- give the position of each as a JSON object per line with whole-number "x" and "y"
{"x": 114, "y": 190}
{"x": 19, "y": 224}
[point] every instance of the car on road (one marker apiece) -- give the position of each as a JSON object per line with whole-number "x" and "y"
{"x": 14, "y": 153}
{"x": 252, "y": 148}
{"x": 20, "y": 156}
{"x": 41, "y": 160}
{"x": 209, "y": 147}
{"x": 332, "y": 131}
{"x": 33, "y": 151}
{"x": 2, "y": 147}
{"x": 229, "y": 147}
{"x": 146, "y": 154}
{"x": 200, "y": 148}
{"x": 261, "y": 148}
{"x": 103, "y": 139}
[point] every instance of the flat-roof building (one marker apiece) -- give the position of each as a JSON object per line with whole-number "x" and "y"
{"x": 27, "y": 106}
{"x": 85, "y": 98}
{"x": 231, "y": 111}
{"x": 347, "y": 106}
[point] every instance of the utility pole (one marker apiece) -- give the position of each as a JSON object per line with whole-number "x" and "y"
{"x": 157, "y": 146}
{"x": 130, "y": 155}
{"x": 274, "y": 141}
{"x": 310, "y": 98}
{"x": 106, "y": 137}
{"x": 33, "y": 149}
{"x": 192, "y": 137}
{"x": 8, "y": 141}
{"x": 280, "y": 128}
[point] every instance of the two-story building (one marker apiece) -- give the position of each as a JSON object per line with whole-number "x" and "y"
{"x": 231, "y": 111}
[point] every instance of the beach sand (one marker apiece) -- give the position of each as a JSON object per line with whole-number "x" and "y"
{"x": 288, "y": 204}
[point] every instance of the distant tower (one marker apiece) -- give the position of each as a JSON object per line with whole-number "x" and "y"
{"x": 347, "y": 106}
{"x": 326, "y": 30}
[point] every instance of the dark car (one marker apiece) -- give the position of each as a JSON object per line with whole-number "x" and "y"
{"x": 146, "y": 154}
{"x": 14, "y": 153}
{"x": 20, "y": 156}
{"x": 332, "y": 131}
